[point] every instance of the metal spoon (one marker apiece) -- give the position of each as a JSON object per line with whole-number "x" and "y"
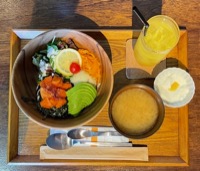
{"x": 61, "y": 141}
{"x": 83, "y": 133}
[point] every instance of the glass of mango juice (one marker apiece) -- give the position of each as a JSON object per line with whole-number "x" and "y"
{"x": 161, "y": 37}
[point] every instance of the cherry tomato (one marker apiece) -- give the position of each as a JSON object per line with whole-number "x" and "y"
{"x": 74, "y": 67}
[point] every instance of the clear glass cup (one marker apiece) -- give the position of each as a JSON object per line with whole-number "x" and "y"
{"x": 161, "y": 37}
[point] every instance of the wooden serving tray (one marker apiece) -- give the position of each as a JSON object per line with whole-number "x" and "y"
{"x": 167, "y": 147}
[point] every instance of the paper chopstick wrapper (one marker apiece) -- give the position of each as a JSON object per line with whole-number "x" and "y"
{"x": 95, "y": 153}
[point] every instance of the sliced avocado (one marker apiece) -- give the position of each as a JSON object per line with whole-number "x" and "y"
{"x": 80, "y": 96}
{"x": 83, "y": 86}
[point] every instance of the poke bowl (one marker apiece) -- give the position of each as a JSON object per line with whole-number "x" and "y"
{"x": 62, "y": 79}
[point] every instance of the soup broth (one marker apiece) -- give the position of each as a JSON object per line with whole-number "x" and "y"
{"x": 135, "y": 111}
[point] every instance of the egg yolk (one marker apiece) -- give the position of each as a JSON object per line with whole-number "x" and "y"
{"x": 174, "y": 86}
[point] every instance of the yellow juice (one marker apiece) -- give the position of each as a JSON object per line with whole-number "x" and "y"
{"x": 162, "y": 35}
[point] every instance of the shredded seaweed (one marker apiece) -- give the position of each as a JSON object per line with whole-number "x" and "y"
{"x": 61, "y": 112}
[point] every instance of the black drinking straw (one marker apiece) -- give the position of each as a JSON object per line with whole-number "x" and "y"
{"x": 142, "y": 19}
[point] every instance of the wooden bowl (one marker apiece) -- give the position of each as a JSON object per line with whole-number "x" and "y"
{"x": 25, "y": 75}
{"x": 134, "y": 116}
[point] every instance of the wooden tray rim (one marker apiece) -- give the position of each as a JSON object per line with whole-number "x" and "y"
{"x": 12, "y": 148}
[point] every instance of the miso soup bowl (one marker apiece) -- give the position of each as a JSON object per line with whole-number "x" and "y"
{"x": 117, "y": 123}
{"x": 25, "y": 75}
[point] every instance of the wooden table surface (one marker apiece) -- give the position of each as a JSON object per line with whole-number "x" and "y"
{"x": 80, "y": 14}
